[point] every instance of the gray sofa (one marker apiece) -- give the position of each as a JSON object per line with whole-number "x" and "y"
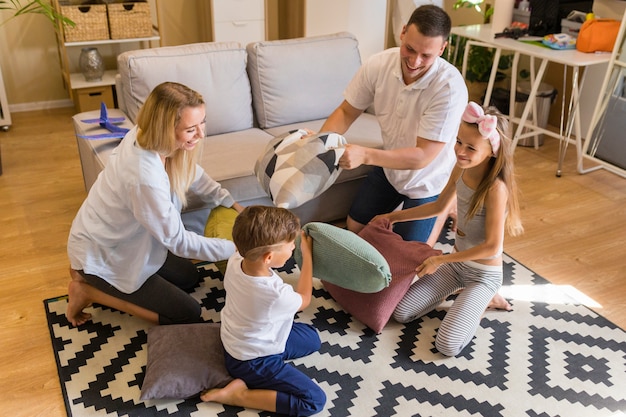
{"x": 252, "y": 94}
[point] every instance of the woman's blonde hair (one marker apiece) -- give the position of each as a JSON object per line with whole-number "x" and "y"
{"x": 502, "y": 167}
{"x": 157, "y": 121}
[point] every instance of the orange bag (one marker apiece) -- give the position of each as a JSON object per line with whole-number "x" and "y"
{"x": 597, "y": 35}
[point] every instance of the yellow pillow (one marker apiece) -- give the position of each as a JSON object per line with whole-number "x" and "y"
{"x": 220, "y": 224}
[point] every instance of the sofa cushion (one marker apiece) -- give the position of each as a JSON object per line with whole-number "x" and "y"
{"x": 295, "y": 80}
{"x": 216, "y": 70}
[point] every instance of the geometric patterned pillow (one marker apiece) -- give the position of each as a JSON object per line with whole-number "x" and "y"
{"x": 293, "y": 170}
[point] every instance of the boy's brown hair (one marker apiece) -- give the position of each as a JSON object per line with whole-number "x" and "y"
{"x": 258, "y": 228}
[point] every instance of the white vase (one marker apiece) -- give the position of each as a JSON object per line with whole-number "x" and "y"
{"x": 91, "y": 64}
{"x": 502, "y": 15}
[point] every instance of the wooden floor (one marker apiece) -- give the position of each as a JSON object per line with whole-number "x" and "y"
{"x": 575, "y": 235}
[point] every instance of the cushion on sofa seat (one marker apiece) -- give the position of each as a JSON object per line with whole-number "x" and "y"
{"x": 217, "y": 70}
{"x": 296, "y": 168}
{"x": 301, "y": 79}
{"x": 375, "y": 309}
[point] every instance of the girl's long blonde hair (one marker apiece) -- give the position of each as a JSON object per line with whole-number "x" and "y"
{"x": 502, "y": 167}
{"x": 157, "y": 121}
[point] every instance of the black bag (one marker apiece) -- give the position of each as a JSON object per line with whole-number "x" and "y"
{"x": 544, "y": 17}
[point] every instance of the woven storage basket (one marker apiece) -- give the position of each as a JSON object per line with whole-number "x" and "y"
{"x": 91, "y": 22}
{"x": 129, "y": 20}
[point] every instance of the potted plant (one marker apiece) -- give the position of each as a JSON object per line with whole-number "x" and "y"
{"x": 35, "y": 6}
{"x": 479, "y": 59}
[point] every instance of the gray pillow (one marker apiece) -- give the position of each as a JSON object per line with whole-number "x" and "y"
{"x": 345, "y": 259}
{"x": 183, "y": 361}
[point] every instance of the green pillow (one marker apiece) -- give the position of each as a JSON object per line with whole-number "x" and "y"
{"x": 343, "y": 258}
{"x": 220, "y": 224}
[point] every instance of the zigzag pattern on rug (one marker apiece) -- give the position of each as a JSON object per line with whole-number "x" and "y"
{"x": 555, "y": 358}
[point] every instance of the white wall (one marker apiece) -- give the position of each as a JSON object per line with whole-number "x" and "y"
{"x": 365, "y": 19}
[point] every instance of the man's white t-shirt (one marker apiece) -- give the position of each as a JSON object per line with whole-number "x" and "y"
{"x": 430, "y": 108}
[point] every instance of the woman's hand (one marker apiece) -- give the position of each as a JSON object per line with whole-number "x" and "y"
{"x": 238, "y": 207}
{"x": 429, "y": 266}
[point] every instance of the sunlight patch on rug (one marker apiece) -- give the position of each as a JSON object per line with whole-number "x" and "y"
{"x": 548, "y": 357}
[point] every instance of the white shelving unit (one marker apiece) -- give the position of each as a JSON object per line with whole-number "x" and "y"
{"x": 242, "y": 21}
{"x": 366, "y": 20}
{"x": 606, "y": 142}
{"x": 87, "y": 95}
{"x": 5, "y": 115}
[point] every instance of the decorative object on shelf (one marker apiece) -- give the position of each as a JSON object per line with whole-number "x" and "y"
{"x": 129, "y": 20}
{"x": 91, "y": 22}
{"x": 91, "y": 64}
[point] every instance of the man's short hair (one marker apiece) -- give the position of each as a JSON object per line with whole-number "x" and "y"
{"x": 431, "y": 21}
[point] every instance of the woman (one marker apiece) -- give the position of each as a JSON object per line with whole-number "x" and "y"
{"x": 128, "y": 247}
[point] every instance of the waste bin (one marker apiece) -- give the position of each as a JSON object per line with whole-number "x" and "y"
{"x": 546, "y": 95}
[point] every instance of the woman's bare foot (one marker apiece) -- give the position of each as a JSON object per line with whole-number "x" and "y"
{"x": 78, "y": 299}
{"x": 226, "y": 395}
{"x": 498, "y": 302}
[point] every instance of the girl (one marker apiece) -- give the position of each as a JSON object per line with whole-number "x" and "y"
{"x": 487, "y": 205}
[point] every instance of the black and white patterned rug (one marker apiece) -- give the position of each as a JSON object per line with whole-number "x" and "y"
{"x": 550, "y": 356}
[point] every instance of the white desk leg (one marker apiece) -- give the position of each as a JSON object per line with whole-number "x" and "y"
{"x": 513, "y": 93}
{"x": 573, "y": 121}
{"x": 492, "y": 77}
{"x": 531, "y": 100}
{"x": 494, "y": 66}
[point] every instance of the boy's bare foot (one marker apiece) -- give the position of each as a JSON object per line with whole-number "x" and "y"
{"x": 226, "y": 395}
{"x": 498, "y": 302}
{"x": 77, "y": 300}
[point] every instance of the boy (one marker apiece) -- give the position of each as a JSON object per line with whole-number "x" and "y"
{"x": 257, "y": 330}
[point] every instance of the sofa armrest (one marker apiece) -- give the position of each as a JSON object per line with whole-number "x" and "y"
{"x": 301, "y": 79}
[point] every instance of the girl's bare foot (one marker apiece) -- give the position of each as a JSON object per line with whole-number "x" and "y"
{"x": 498, "y": 302}
{"x": 77, "y": 300}
{"x": 226, "y": 395}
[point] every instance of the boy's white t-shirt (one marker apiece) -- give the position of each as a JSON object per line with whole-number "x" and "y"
{"x": 258, "y": 314}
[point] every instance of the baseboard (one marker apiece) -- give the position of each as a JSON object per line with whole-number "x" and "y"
{"x": 40, "y": 105}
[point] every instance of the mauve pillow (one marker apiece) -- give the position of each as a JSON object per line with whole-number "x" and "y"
{"x": 375, "y": 309}
{"x": 183, "y": 361}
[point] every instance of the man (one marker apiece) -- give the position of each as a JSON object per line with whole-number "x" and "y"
{"x": 418, "y": 98}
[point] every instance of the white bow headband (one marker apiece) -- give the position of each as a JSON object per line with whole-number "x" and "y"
{"x": 486, "y": 124}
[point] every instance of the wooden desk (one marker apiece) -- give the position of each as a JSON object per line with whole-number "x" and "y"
{"x": 482, "y": 35}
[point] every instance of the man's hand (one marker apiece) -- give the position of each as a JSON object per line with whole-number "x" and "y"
{"x": 353, "y": 157}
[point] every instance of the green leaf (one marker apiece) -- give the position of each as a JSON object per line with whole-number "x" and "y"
{"x": 42, "y": 7}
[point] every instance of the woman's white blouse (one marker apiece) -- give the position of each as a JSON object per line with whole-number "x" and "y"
{"x": 130, "y": 219}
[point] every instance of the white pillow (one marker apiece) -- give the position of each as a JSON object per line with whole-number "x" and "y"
{"x": 293, "y": 170}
